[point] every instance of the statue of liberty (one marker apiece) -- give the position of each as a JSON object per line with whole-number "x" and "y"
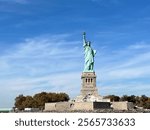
{"x": 89, "y": 54}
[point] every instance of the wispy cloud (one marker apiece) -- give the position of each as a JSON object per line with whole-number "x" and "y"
{"x": 131, "y": 88}
{"x": 16, "y": 1}
{"x": 47, "y": 54}
{"x": 126, "y": 68}
{"x": 140, "y": 45}
{"x": 54, "y": 63}
{"x": 14, "y": 7}
{"x": 107, "y": 2}
{"x": 42, "y": 63}
{"x": 131, "y": 59}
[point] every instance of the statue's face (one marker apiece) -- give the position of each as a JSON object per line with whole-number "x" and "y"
{"x": 89, "y": 43}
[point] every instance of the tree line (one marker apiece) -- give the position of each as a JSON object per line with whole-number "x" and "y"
{"x": 39, "y": 100}
{"x": 140, "y": 101}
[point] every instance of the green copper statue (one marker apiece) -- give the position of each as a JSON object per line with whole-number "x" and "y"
{"x": 89, "y": 54}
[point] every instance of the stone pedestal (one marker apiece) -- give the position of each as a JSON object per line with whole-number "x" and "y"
{"x": 89, "y": 91}
{"x": 88, "y": 84}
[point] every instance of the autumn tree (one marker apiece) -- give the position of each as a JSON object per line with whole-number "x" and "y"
{"x": 147, "y": 104}
{"x": 19, "y": 102}
{"x": 39, "y": 100}
{"x": 143, "y": 100}
{"x": 30, "y": 102}
{"x": 124, "y": 98}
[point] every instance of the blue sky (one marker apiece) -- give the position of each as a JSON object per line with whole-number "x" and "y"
{"x": 41, "y": 46}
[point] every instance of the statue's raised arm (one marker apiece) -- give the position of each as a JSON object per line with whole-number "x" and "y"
{"x": 84, "y": 38}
